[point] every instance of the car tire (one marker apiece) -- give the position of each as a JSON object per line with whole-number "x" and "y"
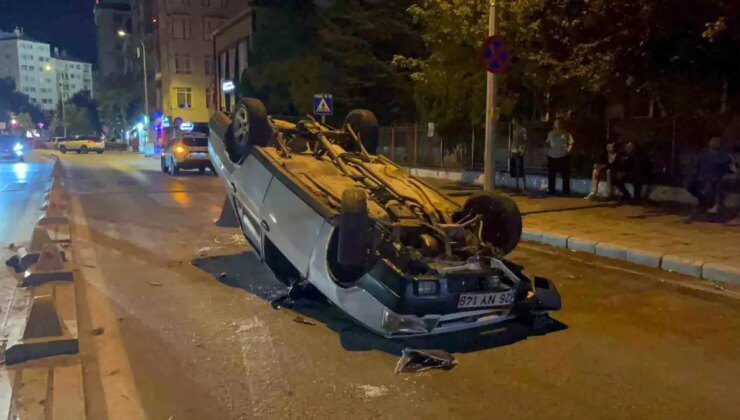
{"x": 365, "y": 124}
{"x": 502, "y": 221}
{"x": 63, "y": 149}
{"x": 353, "y": 224}
{"x": 84, "y": 150}
{"x": 163, "y": 165}
{"x": 249, "y": 128}
{"x": 100, "y": 152}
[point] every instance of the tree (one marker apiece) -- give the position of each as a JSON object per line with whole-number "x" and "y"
{"x": 344, "y": 47}
{"x": 76, "y": 119}
{"x": 117, "y": 102}
{"x": 12, "y": 101}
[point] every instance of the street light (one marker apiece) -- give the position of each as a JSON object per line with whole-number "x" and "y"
{"x": 123, "y": 34}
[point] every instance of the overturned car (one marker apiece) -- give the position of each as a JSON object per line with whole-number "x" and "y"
{"x": 392, "y": 252}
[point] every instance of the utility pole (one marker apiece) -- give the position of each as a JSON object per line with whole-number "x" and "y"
{"x": 491, "y": 117}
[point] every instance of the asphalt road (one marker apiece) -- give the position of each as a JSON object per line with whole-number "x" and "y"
{"x": 21, "y": 194}
{"x": 174, "y": 322}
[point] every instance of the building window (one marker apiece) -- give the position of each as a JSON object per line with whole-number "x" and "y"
{"x": 209, "y": 98}
{"x": 210, "y": 24}
{"x": 208, "y": 65}
{"x": 24, "y": 67}
{"x": 32, "y": 89}
{"x": 184, "y": 98}
{"x": 181, "y": 27}
{"x": 182, "y": 64}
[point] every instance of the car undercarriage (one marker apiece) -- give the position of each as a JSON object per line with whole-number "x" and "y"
{"x": 429, "y": 264}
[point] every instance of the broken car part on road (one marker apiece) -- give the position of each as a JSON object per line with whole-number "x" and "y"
{"x": 392, "y": 252}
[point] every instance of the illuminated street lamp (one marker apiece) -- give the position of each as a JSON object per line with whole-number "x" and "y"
{"x": 123, "y": 34}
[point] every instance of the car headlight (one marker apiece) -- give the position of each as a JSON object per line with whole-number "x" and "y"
{"x": 426, "y": 287}
{"x": 18, "y": 147}
{"x": 403, "y": 324}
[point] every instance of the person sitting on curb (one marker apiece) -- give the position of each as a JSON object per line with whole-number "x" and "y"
{"x": 631, "y": 166}
{"x": 705, "y": 184}
{"x": 558, "y": 145}
{"x": 516, "y": 160}
{"x": 605, "y": 164}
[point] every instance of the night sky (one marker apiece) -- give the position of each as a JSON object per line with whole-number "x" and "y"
{"x": 67, "y": 24}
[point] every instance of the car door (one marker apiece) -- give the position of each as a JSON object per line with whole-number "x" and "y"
{"x": 249, "y": 183}
{"x": 290, "y": 224}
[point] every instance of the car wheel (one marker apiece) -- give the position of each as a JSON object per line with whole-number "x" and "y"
{"x": 100, "y": 152}
{"x": 249, "y": 128}
{"x": 502, "y": 221}
{"x": 63, "y": 149}
{"x": 84, "y": 150}
{"x": 163, "y": 165}
{"x": 365, "y": 125}
{"x": 352, "y": 227}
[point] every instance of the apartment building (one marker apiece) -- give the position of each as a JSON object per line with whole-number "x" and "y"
{"x": 43, "y": 75}
{"x": 180, "y": 52}
{"x": 113, "y": 55}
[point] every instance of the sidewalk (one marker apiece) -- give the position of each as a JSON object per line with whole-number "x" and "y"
{"x": 655, "y": 236}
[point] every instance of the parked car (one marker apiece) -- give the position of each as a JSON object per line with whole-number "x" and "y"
{"x": 53, "y": 143}
{"x": 321, "y": 209}
{"x": 188, "y": 152}
{"x": 82, "y": 144}
{"x": 12, "y": 148}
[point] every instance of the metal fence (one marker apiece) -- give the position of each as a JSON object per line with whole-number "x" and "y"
{"x": 670, "y": 143}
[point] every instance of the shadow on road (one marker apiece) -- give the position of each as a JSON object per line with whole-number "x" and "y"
{"x": 246, "y": 272}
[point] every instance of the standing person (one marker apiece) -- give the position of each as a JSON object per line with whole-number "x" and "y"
{"x": 712, "y": 164}
{"x": 559, "y": 144}
{"x": 516, "y": 159}
{"x": 605, "y": 164}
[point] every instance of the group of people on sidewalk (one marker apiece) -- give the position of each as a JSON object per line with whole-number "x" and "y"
{"x": 623, "y": 164}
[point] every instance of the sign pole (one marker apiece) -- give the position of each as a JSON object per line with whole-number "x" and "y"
{"x": 490, "y": 141}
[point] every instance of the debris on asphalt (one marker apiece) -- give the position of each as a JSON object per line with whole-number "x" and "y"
{"x": 414, "y": 360}
{"x": 88, "y": 265}
{"x": 182, "y": 243}
{"x": 204, "y": 251}
{"x": 154, "y": 283}
{"x": 223, "y": 276}
{"x": 301, "y": 320}
{"x": 97, "y": 331}
{"x": 371, "y": 391}
{"x": 230, "y": 239}
{"x": 113, "y": 372}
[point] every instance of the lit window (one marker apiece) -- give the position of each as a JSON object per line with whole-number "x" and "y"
{"x": 184, "y": 98}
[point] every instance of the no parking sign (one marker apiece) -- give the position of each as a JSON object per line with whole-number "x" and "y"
{"x": 496, "y": 54}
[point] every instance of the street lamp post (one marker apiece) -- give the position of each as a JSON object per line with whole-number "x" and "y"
{"x": 489, "y": 168}
{"x": 123, "y": 34}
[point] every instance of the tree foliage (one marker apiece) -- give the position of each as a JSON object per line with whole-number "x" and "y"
{"x": 344, "y": 47}
{"x": 14, "y": 102}
{"x": 577, "y": 55}
{"x": 117, "y": 102}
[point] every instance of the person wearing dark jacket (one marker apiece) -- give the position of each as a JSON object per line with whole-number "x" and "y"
{"x": 631, "y": 166}
{"x": 712, "y": 164}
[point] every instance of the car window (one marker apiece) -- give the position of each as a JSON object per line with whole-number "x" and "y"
{"x": 195, "y": 141}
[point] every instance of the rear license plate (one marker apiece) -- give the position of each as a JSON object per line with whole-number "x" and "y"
{"x": 481, "y": 300}
{"x": 199, "y": 155}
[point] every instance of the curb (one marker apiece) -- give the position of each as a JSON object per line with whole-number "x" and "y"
{"x": 679, "y": 263}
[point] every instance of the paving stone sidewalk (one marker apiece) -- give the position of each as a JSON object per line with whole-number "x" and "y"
{"x": 651, "y": 235}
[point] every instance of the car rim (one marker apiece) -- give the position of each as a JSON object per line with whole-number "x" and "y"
{"x": 242, "y": 125}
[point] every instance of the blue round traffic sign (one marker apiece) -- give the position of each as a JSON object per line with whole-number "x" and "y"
{"x": 496, "y": 54}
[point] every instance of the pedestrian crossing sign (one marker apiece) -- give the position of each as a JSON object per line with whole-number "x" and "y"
{"x": 323, "y": 104}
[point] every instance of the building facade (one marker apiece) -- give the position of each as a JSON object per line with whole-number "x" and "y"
{"x": 180, "y": 52}
{"x": 45, "y": 76}
{"x": 113, "y": 55}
